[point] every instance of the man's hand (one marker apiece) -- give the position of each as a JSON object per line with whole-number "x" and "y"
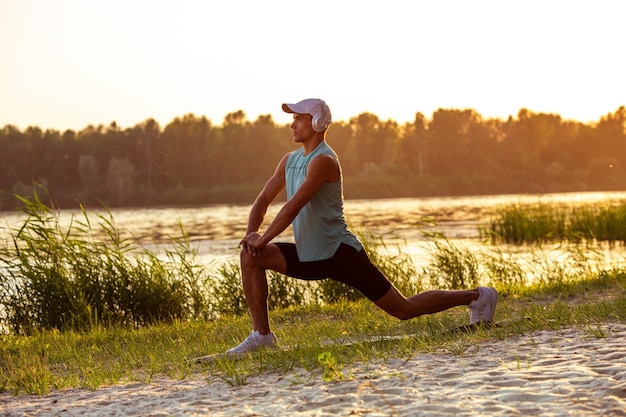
{"x": 251, "y": 244}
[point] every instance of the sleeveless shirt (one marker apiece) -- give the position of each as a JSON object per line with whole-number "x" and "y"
{"x": 320, "y": 226}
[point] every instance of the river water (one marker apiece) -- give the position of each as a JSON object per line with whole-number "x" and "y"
{"x": 215, "y": 230}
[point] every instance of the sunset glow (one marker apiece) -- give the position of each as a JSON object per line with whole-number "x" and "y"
{"x": 70, "y": 63}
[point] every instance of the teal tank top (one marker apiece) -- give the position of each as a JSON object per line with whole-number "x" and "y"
{"x": 320, "y": 227}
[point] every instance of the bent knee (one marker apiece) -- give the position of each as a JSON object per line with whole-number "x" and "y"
{"x": 269, "y": 258}
{"x": 400, "y": 314}
{"x": 248, "y": 260}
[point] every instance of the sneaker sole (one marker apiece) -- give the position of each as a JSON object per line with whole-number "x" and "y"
{"x": 229, "y": 355}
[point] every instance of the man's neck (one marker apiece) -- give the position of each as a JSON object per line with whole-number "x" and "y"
{"x": 310, "y": 146}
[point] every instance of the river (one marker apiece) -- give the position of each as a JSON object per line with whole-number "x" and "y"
{"x": 215, "y": 230}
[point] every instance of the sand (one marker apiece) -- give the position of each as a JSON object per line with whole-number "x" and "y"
{"x": 571, "y": 371}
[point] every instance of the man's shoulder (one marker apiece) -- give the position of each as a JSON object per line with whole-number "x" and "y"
{"x": 328, "y": 150}
{"x": 327, "y": 157}
{"x": 289, "y": 156}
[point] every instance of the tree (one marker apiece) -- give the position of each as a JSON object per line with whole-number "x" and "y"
{"x": 269, "y": 144}
{"x": 371, "y": 135}
{"x": 120, "y": 180}
{"x": 146, "y": 137}
{"x": 413, "y": 148}
{"x": 450, "y": 140}
{"x": 238, "y": 148}
{"x": 610, "y": 136}
{"x": 89, "y": 173}
{"x": 191, "y": 153}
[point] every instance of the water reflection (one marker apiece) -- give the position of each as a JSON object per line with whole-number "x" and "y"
{"x": 215, "y": 230}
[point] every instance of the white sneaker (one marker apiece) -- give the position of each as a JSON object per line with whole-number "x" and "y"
{"x": 254, "y": 342}
{"x": 484, "y": 306}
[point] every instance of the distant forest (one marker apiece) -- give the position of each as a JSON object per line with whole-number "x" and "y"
{"x": 192, "y": 162}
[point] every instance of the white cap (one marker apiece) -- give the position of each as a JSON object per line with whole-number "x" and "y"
{"x": 316, "y": 108}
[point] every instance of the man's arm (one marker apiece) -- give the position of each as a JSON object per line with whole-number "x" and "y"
{"x": 323, "y": 168}
{"x": 268, "y": 194}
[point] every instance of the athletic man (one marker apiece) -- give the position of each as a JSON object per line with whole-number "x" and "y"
{"x": 324, "y": 246}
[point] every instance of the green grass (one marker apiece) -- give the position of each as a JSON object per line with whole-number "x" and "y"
{"x": 83, "y": 275}
{"x": 83, "y": 308}
{"x": 50, "y": 359}
{"x": 523, "y": 224}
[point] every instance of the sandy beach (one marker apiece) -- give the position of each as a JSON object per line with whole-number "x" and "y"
{"x": 569, "y": 372}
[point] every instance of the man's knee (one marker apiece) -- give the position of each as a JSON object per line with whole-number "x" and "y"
{"x": 269, "y": 258}
{"x": 401, "y": 314}
{"x": 247, "y": 260}
{"x": 396, "y": 305}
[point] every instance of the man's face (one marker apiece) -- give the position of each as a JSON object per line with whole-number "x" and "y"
{"x": 301, "y": 127}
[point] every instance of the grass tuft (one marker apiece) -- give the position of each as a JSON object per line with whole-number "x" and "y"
{"x": 541, "y": 223}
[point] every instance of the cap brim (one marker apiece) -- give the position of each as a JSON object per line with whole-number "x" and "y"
{"x": 299, "y": 108}
{"x": 287, "y": 108}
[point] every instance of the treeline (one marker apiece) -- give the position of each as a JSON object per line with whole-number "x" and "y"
{"x": 191, "y": 161}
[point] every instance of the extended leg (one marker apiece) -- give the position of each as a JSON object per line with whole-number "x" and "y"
{"x": 394, "y": 303}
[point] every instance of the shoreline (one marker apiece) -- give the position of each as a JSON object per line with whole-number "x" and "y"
{"x": 571, "y": 371}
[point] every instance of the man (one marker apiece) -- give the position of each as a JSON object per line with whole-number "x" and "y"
{"x": 324, "y": 246}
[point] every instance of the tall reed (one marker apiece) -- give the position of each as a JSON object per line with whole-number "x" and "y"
{"x": 66, "y": 278}
{"x": 529, "y": 224}
{"x": 453, "y": 266}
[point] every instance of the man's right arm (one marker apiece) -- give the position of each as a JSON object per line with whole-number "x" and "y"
{"x": 270, "y": 191}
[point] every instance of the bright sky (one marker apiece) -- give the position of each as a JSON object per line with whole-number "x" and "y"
{"x": 65, "y": 64}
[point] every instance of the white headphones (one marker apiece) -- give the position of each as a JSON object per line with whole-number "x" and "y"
{"x": 318, "y": 122}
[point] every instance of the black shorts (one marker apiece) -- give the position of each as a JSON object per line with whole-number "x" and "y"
{"x": 347, "y": 265}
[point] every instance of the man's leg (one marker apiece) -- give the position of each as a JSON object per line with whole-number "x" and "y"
{"x": 255, "y": 286}
{"x": 404, "y": 308}
{"x": 255, "y": 289}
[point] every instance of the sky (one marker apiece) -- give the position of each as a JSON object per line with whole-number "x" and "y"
{"x": 67, "y": 64}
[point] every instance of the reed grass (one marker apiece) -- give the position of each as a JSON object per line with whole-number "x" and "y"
{"x": 66, "y": 278}
{"x": 453, "y": 266}
{"x": 541, "y": 223}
